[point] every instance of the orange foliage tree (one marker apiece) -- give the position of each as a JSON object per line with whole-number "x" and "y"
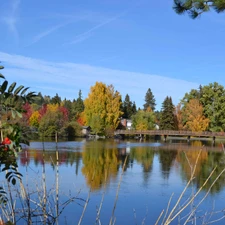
{"x": 196, "y": 121}
{"x": 179, "y": 117}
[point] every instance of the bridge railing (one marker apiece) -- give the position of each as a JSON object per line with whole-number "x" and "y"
{"x": 171, "y": 132}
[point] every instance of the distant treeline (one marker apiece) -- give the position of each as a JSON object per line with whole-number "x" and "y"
{"x": 103, "y": 110}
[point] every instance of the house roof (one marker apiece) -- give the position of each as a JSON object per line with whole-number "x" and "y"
{"x": 86, "y": 127}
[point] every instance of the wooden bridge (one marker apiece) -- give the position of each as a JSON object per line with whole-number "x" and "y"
{"x": 176, "y": 133}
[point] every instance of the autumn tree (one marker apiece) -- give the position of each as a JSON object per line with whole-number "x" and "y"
{"x": 149, "y": 100}
{"x": 27, "y": 112}
{"x": 167, "y": 120}
{"x": 54, "y": 121}
{"x": 143, "y": 120}
{"x": 196, "y": 121}
{"x": 102, "y": 107}
{"x": 34, "y": 119}
{"x": 68, "y": 105}
{"x": 193, "y": 94}
{"x": 196, "y": 7}
{"x": 212, "y": 98}
{"x": 179, "y": 117}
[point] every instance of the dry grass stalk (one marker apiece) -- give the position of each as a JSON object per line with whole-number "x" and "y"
{"x": 169, "y": 219}
{"x": 175, "y": 211}
{"x": 101, "y": 203}
{"x": 117, "y": 193}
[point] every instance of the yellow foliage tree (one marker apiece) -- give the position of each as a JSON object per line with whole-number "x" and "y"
{"x": 196, "y": 121}
{"x": 102, "y": 107}
{"x": 52, "y": 107}
{"x": 34, "y": 119}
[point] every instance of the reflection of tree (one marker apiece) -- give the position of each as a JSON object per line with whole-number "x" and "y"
{"x": 65, "y": 157}
{"x": 187, "y": 161}
{"x": 144, "y": 156}
{"x": 215, "y": 159}
{"x": 100, "y": 164}
{"x": 166, "y": 158}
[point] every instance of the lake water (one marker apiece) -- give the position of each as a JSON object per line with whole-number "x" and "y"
{"x": 132, "y": 182}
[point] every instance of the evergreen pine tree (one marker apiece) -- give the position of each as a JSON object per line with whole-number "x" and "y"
{"x": 128, "y": 107}
{"x": 134, "y": 108}
{"x": 196, "y": 7}
{"x": 56, "y": 99}
{"x": 77, "y": 105}
{"x": 80, "y": 103}
{"x": 149, "y": 100}
{"x": 167, "y": 119}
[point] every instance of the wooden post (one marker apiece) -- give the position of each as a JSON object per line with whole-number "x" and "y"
{"x": 188, "y": 139}
{"x": 214, "y": 140}
{"x": 165, "y": 136}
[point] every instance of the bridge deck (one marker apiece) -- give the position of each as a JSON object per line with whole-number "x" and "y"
{"x": 171, "y": 133}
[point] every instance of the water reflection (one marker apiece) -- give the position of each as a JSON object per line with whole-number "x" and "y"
{"x": 65, "y": 158}
{"x": 167, "y": 158}
{"x": 102, "y": 161}
{"x": 100, "y": 164}
{"x": 143, "y": 156}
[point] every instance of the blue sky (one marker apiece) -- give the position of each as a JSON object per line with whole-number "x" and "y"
{"x": 56, "y": 46}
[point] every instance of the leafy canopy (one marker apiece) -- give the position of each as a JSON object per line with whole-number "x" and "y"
{"x": 102, "y": 107}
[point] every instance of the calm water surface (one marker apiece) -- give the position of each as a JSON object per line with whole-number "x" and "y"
{"x": 153, "y": 172}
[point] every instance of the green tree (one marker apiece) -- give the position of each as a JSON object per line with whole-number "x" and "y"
{"x": 56, "y": 100}
{"x": 212, "y": 98}
{"x": 51, "y": 124}
{"x": 213, "y": 101}
{"x": 77, "y": 106}
{"x": 128, "y": 107}
{"x": 168, "y": 120}
{"x": 196, "y": 7}
{"x": 39, "y": 100}
{"x": 143, "y": 120}
{"x": 102, "y": 107}
{"x": 149, "y": 100}
{"x": 79, "y": 103}
{"x": 193, "y": 94}
{"x": 73, "y": 129}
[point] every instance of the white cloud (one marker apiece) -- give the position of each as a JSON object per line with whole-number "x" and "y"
{"x": 69, "y": 20}
{"x": 85, "y": 35}
{"x": 10, "y": 19}
{"x": 67, "y": 78}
